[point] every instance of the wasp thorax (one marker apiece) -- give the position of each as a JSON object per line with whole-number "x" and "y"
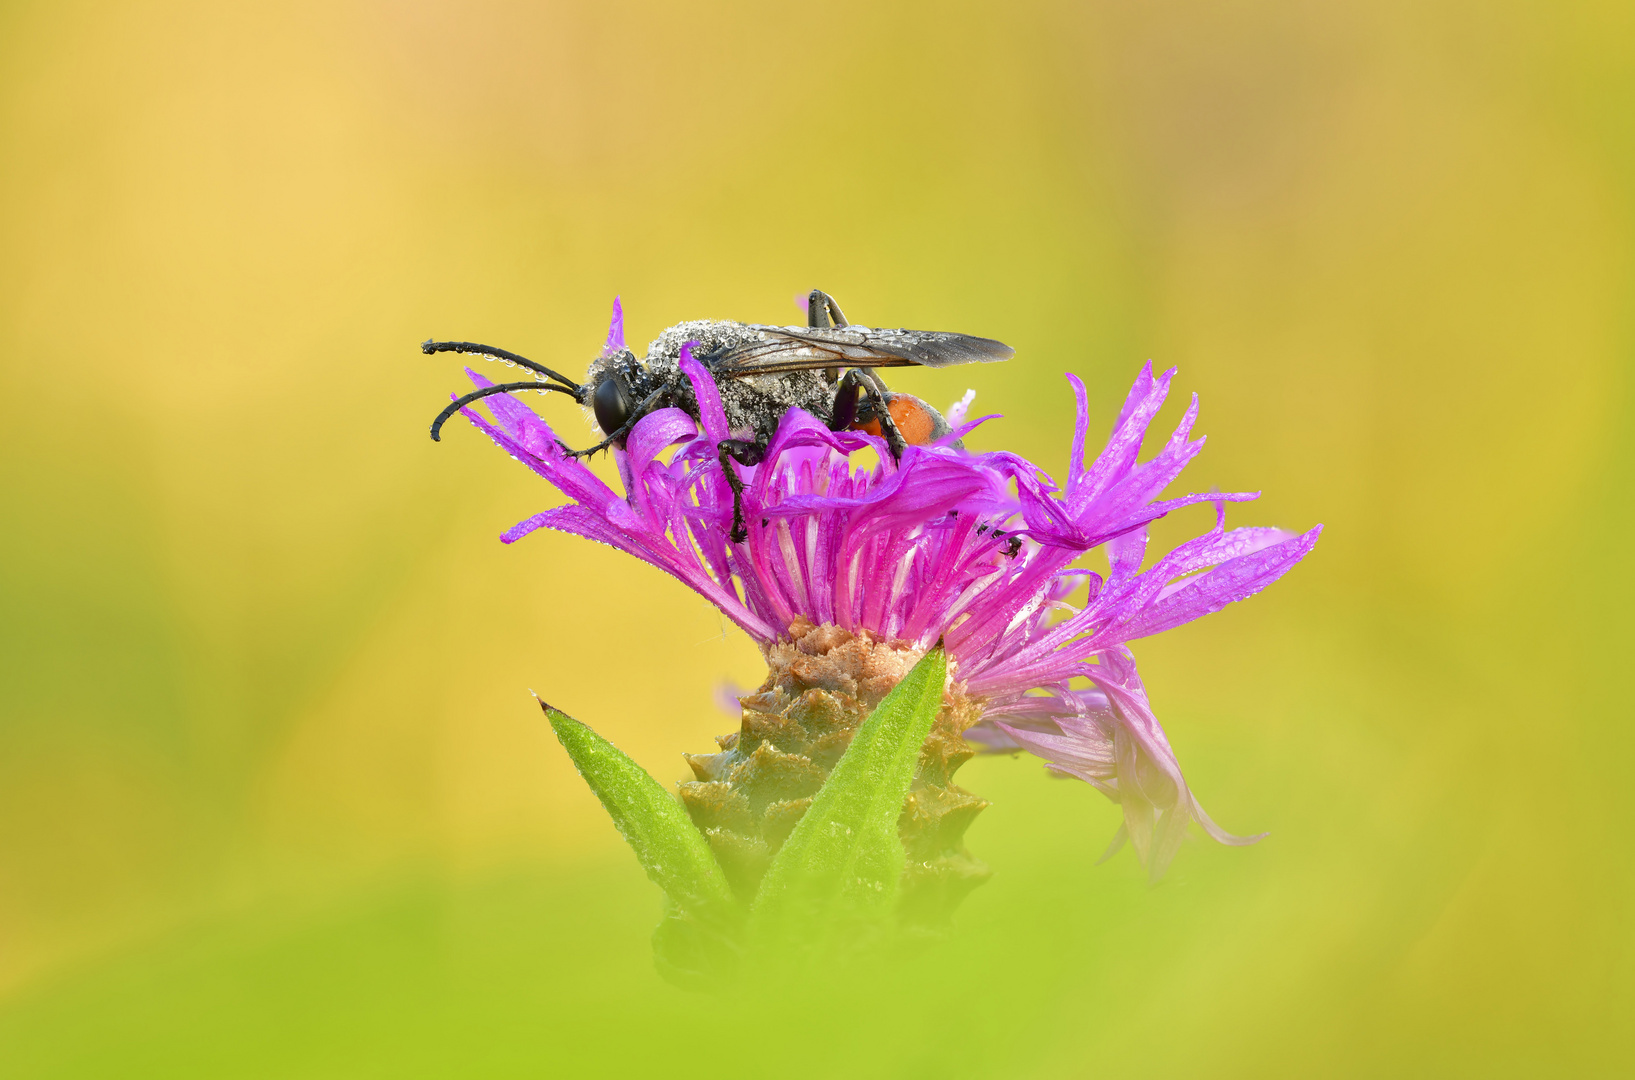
{"x": 612, "y": 403}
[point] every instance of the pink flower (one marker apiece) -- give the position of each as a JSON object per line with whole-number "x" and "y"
{"x": 973, "y": 549}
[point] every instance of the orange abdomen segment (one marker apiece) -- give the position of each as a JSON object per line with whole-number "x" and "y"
{"x": 911, "y": 415}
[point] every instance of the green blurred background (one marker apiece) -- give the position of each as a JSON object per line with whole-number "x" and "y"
{"x": 274, "y": 800}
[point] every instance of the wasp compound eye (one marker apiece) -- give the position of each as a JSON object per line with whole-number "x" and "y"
{"x": 611, "y": 403}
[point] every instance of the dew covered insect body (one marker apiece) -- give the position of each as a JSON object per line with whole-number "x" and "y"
{"x": 762, "y": 371}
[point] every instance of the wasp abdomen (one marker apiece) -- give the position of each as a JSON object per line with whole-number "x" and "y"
{"x": 919, "y": 423}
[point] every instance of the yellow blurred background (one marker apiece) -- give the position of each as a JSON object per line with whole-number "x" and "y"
{"x": 274, "y": 799}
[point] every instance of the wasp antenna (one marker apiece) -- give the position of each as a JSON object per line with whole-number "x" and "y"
{"x": 428, "y": 347}
{"x": 488, "y": 391}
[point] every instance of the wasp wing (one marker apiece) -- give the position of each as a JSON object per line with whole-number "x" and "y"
{"x": 789, "y": 348}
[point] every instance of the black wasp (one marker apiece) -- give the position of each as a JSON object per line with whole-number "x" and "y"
{"x": 762, "y": 372}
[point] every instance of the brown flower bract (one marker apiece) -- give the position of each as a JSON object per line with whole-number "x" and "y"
{"x": 822, "y": 682}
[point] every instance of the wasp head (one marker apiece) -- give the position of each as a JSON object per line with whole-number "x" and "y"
{"x": 612, "y": 398}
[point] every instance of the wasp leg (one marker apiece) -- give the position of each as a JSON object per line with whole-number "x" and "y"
{"x": 623, "y": 429}
{"x": 860, "y": 382}
{"x": 744, "y": 452}
{"x": 822, "y": 312}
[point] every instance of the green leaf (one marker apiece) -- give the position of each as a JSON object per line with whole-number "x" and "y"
{"x": 651, "y": 820}
{"x": 843, "y": 862}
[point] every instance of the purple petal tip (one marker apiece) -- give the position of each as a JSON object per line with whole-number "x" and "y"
{"x": 615, "y": 330}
